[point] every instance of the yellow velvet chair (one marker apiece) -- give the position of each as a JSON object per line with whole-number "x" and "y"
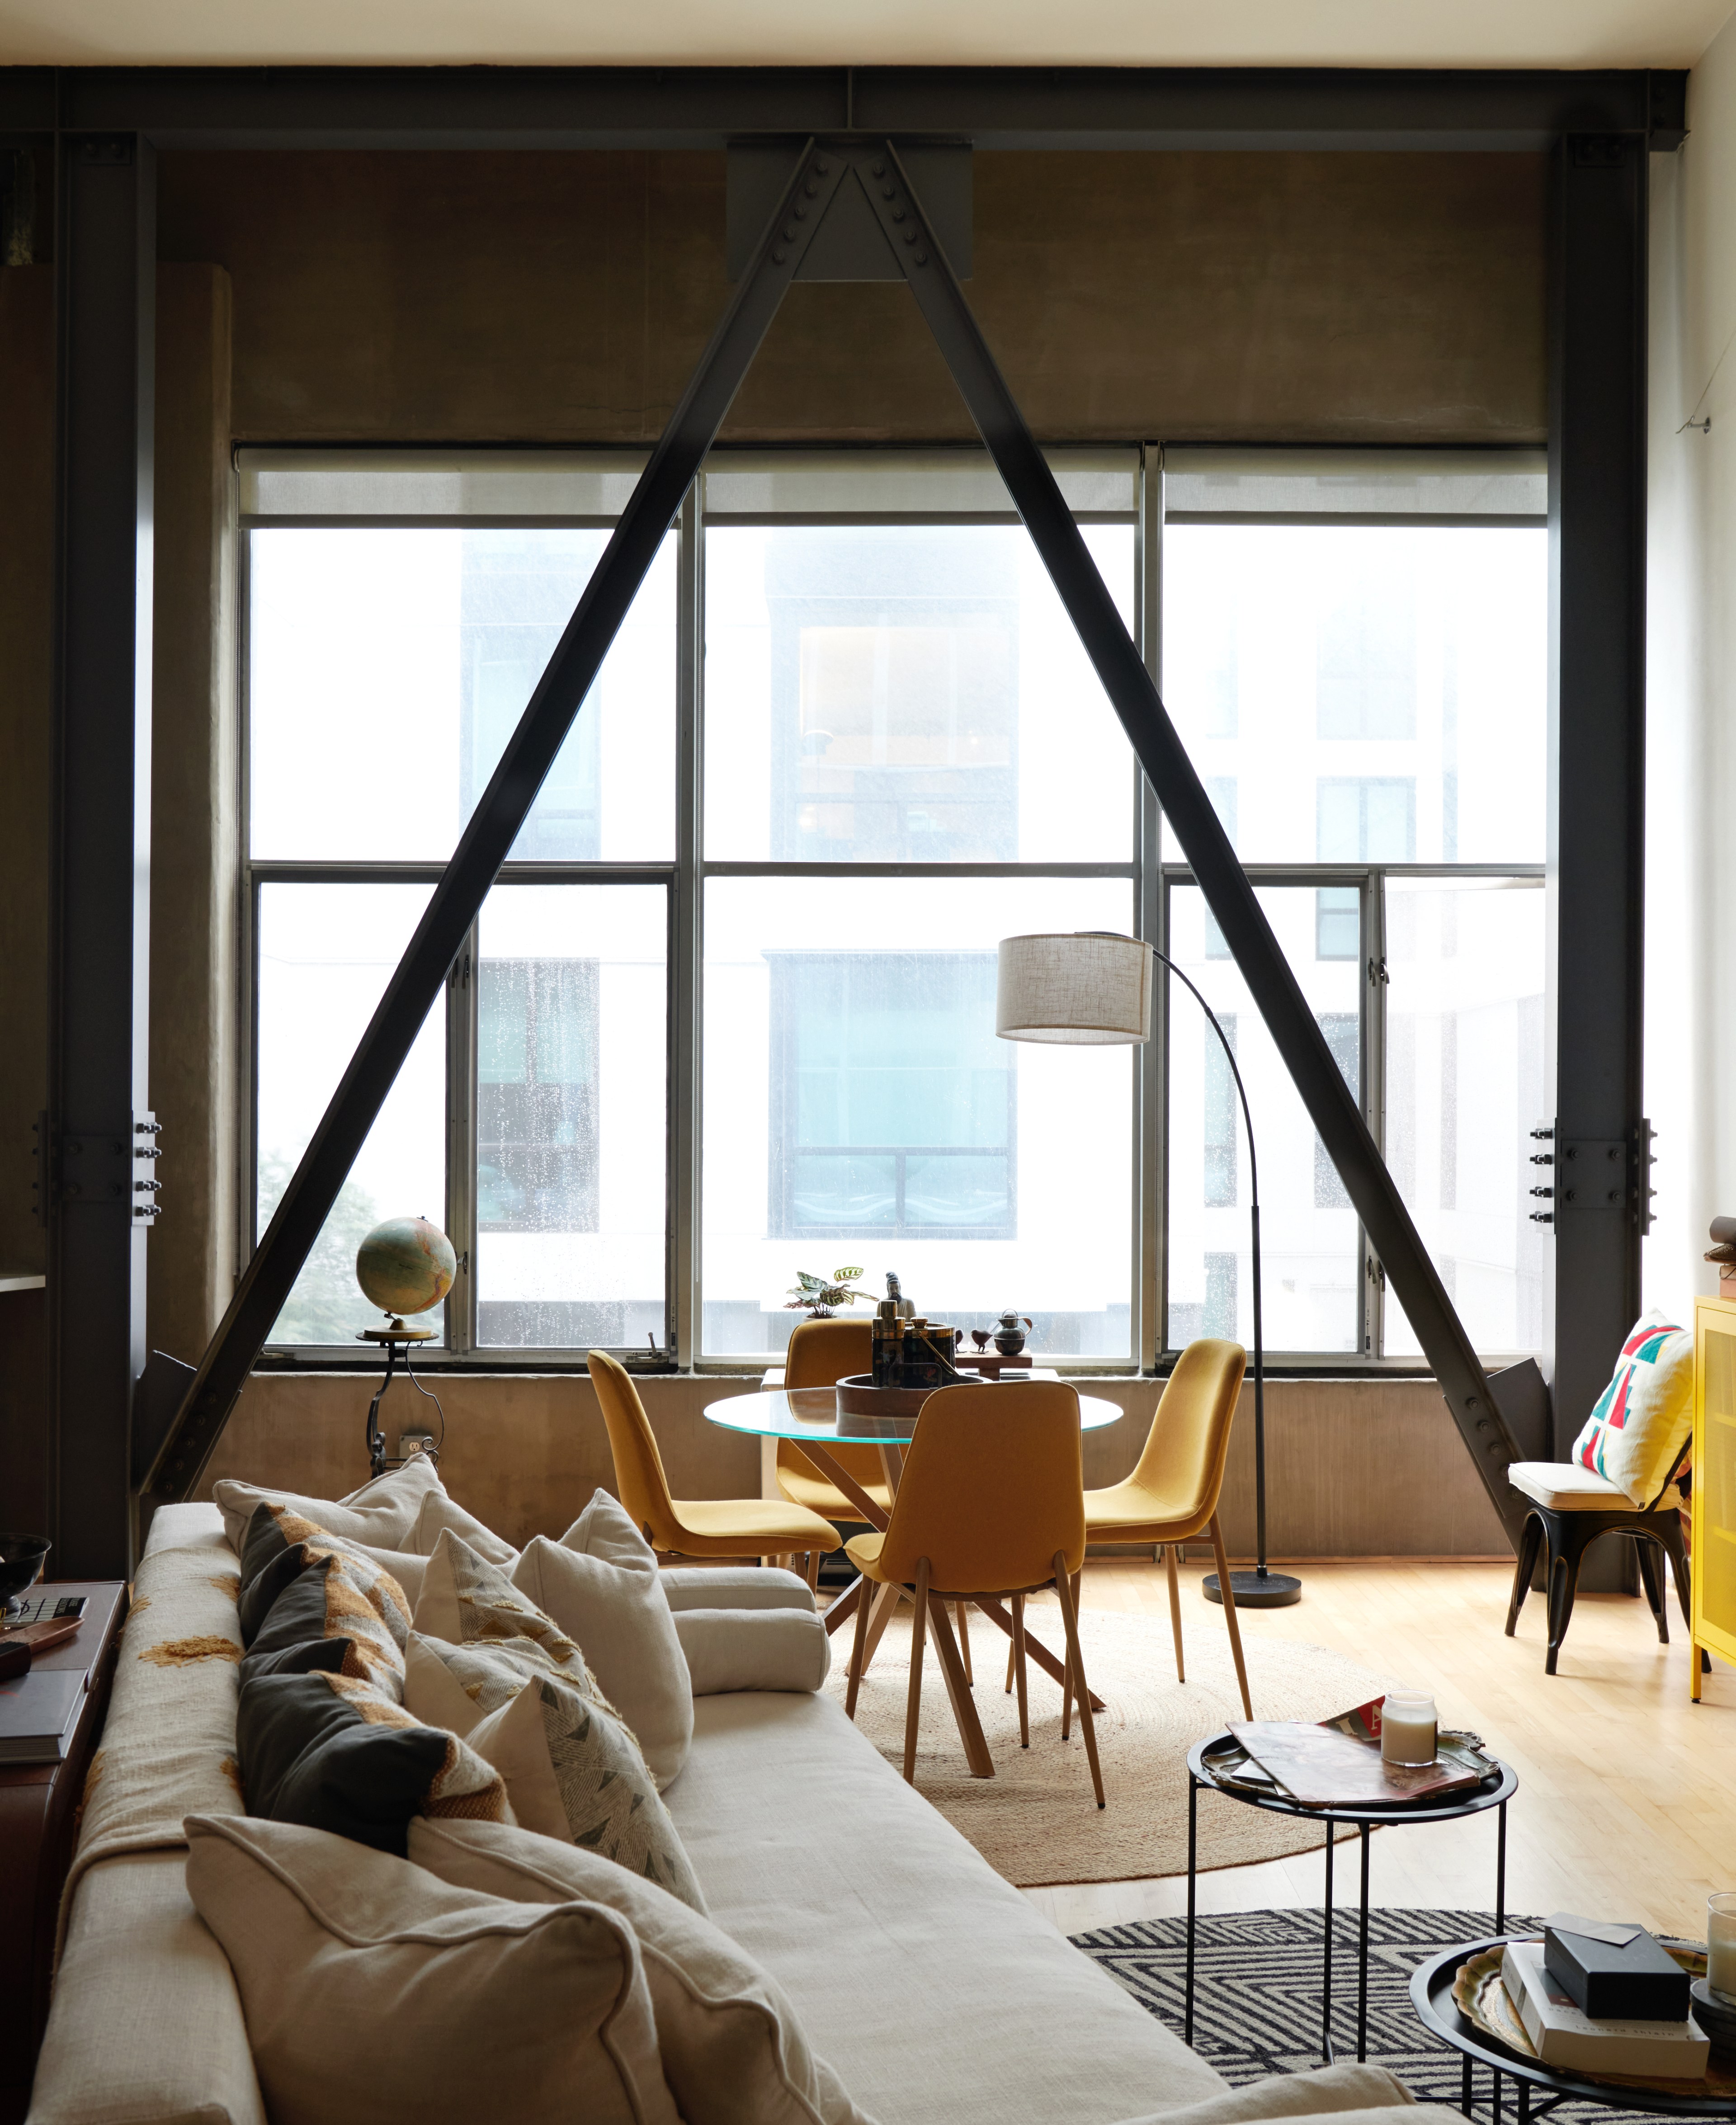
{"x": 1172, "y": 1495}
{"x": 990, "y": 1502}
{"x": 690, "y": 1527}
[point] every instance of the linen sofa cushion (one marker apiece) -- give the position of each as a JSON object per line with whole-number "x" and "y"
{"x": 937, "y": 1993}
{"x": 753, "y": 1649}
{"x": 308, "y": 1600}
{"x": 1643, "y": 1416}
{"x": 333, "y": 1753}
{"x": 733, "y": 2053}
{"x": 600, "y": 1583}
{"x": 439, "y": 1511}
{"x": 383, "y": 1512}
{"x": 572, "y": 1769}
{"x": 373, "y": 1991}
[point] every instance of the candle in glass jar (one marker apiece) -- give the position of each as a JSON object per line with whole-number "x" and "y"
{"x": 1407, "y": 1727}
{"x": 1720, "y": 1941}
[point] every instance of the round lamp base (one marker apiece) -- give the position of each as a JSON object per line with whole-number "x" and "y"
{"x": 1255, "y": 1589}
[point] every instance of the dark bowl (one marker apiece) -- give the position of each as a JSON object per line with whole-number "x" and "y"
{"x": 21, "y": 1558}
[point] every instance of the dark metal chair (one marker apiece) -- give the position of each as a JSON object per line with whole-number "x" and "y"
{"x": 1566, "y": 1515}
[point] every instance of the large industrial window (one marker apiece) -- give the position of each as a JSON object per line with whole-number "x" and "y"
{"x": 728, "y": 1011}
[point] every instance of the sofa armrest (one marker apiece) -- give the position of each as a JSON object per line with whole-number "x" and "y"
{"x": 734, "y": 1586}
{"x": 730, "y": 1649}
{"x": 146, "y": 2026}
{"x": 1378, "y": 2097}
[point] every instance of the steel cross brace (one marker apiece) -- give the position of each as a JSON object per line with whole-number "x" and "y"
{"x": 1331, "y": 1106}
{"x": 488, "y": 838}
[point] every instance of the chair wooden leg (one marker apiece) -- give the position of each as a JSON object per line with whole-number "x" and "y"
{"x": 919, "y": 1636}
{"x": 1012, "y": 1652}
{"x": 859, "y": 1650}
{"x": 813, "y": 1570}
{"x": 962, "y": 1610}
{"x": 1017, "y": 1658}
{"x": 1235, "y": 1628}
{"x": 1175, "y": 1609}
{"x": 1076, "y": 1670}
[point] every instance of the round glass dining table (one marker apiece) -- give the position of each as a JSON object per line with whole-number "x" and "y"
{"x": 810, "y": 1420}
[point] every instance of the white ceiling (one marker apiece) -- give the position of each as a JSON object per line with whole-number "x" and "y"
{"x": 1489, "y": 33}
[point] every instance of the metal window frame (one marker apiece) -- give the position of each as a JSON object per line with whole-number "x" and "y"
{"x": 1152, "y": 875}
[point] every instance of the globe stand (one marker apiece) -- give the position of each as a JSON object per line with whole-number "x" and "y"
{"x": 397, "y": 1338}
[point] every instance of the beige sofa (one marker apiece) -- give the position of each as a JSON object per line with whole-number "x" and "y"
{"x": 937, "y": 1992}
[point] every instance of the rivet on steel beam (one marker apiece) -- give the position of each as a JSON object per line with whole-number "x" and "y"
{"x": 889, "y": 191}
{"x": 811, "y": 189}
{"x": 909, "y": 236}
{"x": 922, "y": 258}
{"x": 800, "y": 211}
{"x": 789, "y": 235}
{"x": 877, "y": 169}
{"x": 822, "y": 166}
{"x": 780, "y": 255}
{"x": 898, "y": 213}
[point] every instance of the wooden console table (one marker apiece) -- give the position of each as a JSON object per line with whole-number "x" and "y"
{"x": 39, "y": 1826}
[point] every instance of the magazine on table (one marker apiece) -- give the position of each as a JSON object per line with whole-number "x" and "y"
{"x": 1337, "y": 1762}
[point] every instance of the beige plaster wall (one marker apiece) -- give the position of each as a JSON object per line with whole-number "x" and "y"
{"x": 1354, "y": 1468}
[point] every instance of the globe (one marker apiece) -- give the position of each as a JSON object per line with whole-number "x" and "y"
{"x": 405, "y": 1265}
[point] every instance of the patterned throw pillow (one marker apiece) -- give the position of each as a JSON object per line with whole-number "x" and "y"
{"x": 575, "y": 1772}
{"x": 1641, "y": 1423}
{"x": 466, "y": 1601}
{"x": 332, "y": 1752}
{"x": 309, "y": 1600}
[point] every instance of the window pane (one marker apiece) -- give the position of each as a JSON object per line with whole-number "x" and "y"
{"x": 387, "y": 669}
{"x": 906, "y": 693}
{"x": 1465, "y": 1087}
{"x": 1393, "y": 673}
{"x": 859, "y": 1109}
{"x": 571, "y": 1115}
{"x": 1308, "y": 1231}
{"x": 326, "y": 953}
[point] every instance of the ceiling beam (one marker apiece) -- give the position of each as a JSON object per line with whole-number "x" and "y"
{"x": 1069, "y": 108}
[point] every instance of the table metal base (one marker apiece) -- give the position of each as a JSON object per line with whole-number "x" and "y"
{"x": 1327, "y": 2053}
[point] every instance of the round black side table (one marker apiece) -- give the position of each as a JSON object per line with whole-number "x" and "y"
{"x": 1469, "y": 1801}
{"x": 1431, "y": 1994}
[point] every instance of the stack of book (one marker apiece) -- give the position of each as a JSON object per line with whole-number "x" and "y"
{"x": 1604, "y": 1998}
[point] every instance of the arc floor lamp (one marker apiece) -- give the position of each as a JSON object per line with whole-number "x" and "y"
{"x": 1093, "y": 988}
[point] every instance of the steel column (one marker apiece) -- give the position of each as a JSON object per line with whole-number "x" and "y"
{"x": 1331, "y": 1105}
{"x": 106, "y": 285}
{"x": 486, "y": 841}
{"x": 1596, "y": 737}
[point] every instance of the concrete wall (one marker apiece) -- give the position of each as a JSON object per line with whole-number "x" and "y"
{"x": 1290, "y": 297}
{"x": 1353, "y": 1468}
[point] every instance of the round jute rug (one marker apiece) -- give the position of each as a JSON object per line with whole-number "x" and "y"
{"x": 1036, "y": 1821}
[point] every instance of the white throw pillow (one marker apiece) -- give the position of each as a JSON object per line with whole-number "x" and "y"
{"x": 372, "y": 1991}
{"x": 382, "y": 1513}
{"x": 733, "y": 2053}
{"x": 441, "y": 1512}
{"x": 600, "y": 1583}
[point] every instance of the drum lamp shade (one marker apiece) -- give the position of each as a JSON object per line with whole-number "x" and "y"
{"x": 1085, "y": 987}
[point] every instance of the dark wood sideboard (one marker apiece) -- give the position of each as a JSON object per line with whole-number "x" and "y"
{"x": 39, "y": 1826}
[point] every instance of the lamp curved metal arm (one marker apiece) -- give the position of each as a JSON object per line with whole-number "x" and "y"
{"x": 1163, "y": 960}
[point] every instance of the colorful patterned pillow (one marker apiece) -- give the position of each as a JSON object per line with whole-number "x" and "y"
{"x": 1641, "y": 1423}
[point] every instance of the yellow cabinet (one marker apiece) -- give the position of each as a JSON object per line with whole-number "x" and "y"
{"x": 1713, "y": 1561}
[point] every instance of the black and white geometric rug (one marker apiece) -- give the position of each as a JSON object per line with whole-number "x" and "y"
{"x": 1257, "y": 1993}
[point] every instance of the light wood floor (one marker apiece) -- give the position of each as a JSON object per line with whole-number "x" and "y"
{"x": 1626, "y": 1805}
